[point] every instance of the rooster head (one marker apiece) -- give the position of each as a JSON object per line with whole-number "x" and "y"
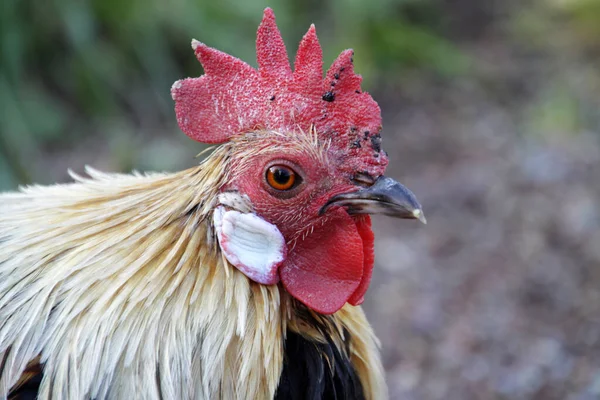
{"x": 305, "y": 166}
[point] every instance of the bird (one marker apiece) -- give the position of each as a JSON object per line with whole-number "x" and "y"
{"x": 238, "y": 278}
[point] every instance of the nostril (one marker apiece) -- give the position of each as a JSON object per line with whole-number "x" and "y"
{"x": 363, "y": 179}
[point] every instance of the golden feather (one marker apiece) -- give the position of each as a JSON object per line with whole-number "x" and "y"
{"x": 116, "y": 283}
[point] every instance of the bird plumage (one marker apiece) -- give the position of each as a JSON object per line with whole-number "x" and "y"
{"x": 110, "y": 281}
{"x": 156, "y": 286}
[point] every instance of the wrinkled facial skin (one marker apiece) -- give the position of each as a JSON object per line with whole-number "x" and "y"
{"x": 329, "y": 255}
{"x": 328, "y": 133}
{"x": 319, "y": 169}
{"x": 330, "y": 252}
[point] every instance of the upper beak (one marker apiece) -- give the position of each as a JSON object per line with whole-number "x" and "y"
{"x": 385, "y": 196}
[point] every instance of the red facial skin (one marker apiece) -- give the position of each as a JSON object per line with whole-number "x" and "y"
{"x": 330, "y": 256}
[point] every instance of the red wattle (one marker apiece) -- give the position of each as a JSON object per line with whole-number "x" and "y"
{"x": 363, "y": 224}
{"x": 327, "y": 268}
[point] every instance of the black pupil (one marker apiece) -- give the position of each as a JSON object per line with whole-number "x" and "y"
{"x": 282, "y": 175}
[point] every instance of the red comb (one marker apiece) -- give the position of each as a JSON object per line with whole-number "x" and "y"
{"x": 232, "y": 97}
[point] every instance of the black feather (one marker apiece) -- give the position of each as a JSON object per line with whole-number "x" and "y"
{"x": 313, "y": 370}
{"x": 27, "y": 391}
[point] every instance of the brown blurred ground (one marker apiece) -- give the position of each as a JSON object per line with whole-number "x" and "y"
{"x": 498, "y": 296}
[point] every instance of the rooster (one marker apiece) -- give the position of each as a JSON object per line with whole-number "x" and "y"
{"x": 240, "y": 278}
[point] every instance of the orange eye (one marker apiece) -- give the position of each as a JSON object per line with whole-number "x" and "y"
{"x": 281, "y": 177}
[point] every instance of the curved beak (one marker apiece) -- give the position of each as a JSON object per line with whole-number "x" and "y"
{"x": 386, "y": 196}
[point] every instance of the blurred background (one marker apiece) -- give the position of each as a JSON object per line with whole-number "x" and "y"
{"x": 491, "y": 116}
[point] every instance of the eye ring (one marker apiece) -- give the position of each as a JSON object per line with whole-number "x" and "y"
{"x": 281, "y": 177}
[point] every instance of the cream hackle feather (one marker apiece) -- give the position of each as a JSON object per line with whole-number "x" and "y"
{"x": 116, "y": 282}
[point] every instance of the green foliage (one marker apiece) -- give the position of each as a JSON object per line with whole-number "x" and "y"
{"x": 76, "y": 73}
{"x": 585, "y": 20}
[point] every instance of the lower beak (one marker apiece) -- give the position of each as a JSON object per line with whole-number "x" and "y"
{"x": 385, "y": 196}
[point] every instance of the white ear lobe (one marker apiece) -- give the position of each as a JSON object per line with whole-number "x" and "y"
{"x": 251, "y": 244}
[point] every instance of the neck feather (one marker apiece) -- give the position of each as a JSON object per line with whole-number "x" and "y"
{"x": 117, "y": 282}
